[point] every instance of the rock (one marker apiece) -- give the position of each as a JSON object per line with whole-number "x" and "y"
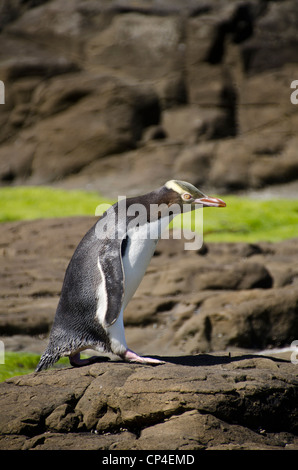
{"x": 63, "y": 145}
{"x": 211, "y": 72}
{"x": 194, "y": 162}
{"x": 256, "y": 320}
{"x": 144, "y": 45}
{"x": 189, "y": 403}
{"x": 14, "y": 69}
{"x": 264, "y": 50}
{"x": 192, "y": 124}
{"x": 265, "y": 171}
{"x": 252, "y": 163}
{"x": 10, "y": 10}
{"x": 153, "y": 161}
{"x": 51, "y": 21}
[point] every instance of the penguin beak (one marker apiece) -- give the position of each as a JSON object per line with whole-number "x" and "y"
{"x": 207, "y": 201}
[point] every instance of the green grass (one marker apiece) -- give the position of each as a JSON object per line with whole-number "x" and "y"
{"x": 17, "y": 364}
{"x": 21, "y": 203}
{"x": 243, "y": 219}
{"x": 249, "y": 220}
{"x": 22, "y": 363}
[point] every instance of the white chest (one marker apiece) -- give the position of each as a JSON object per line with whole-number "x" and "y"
{"x": 139, "y": 251}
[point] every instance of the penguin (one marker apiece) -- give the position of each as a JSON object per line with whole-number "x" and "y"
{"x": 106, "y": 270}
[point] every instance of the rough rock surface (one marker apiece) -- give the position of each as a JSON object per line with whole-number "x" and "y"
{"x": 190, "y": 403}
{"x": 145, "y": 91}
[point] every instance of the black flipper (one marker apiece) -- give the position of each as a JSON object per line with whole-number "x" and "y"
{"x": 112, "y": 247}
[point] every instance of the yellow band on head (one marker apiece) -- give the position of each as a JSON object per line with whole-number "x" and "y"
{"x": 181, "y": 187}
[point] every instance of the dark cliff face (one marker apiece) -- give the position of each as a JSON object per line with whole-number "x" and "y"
{"x": 96, "y": 92}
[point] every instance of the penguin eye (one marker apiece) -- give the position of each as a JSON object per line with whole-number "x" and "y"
{"x": 186, "y": 197}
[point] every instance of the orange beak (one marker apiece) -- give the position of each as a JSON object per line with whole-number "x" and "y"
{"x": 207, "y": 201}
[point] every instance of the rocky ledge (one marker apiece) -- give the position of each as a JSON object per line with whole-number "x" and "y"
{"x": 218, "y": 401}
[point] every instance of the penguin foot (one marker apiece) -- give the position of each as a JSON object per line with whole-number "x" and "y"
{"x": 131, "y": 356}
{"x": 76, "y": 361}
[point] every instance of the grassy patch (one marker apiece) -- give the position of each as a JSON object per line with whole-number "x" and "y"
{"x": 17, "y": 364}
{"x": 243, "y": 219}
{"x": 249, "y": 220}
{"x": 36, "y": 202}
{"x": 21, "y": 363}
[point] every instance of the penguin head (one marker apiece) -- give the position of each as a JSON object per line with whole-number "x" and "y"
{"x": 186, "y": 193}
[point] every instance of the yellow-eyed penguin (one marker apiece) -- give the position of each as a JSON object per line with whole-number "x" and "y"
{"x": 105, "y": 271}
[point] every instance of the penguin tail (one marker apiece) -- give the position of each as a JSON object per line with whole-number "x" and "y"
{"x": 47, "y": 360}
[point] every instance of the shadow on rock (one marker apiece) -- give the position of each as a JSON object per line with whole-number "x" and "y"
{"x": 212, "y": 360}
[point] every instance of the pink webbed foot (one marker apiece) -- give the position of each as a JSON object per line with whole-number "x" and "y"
{"x": 76, "y": 360}
{"x": 131, "y": 356}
